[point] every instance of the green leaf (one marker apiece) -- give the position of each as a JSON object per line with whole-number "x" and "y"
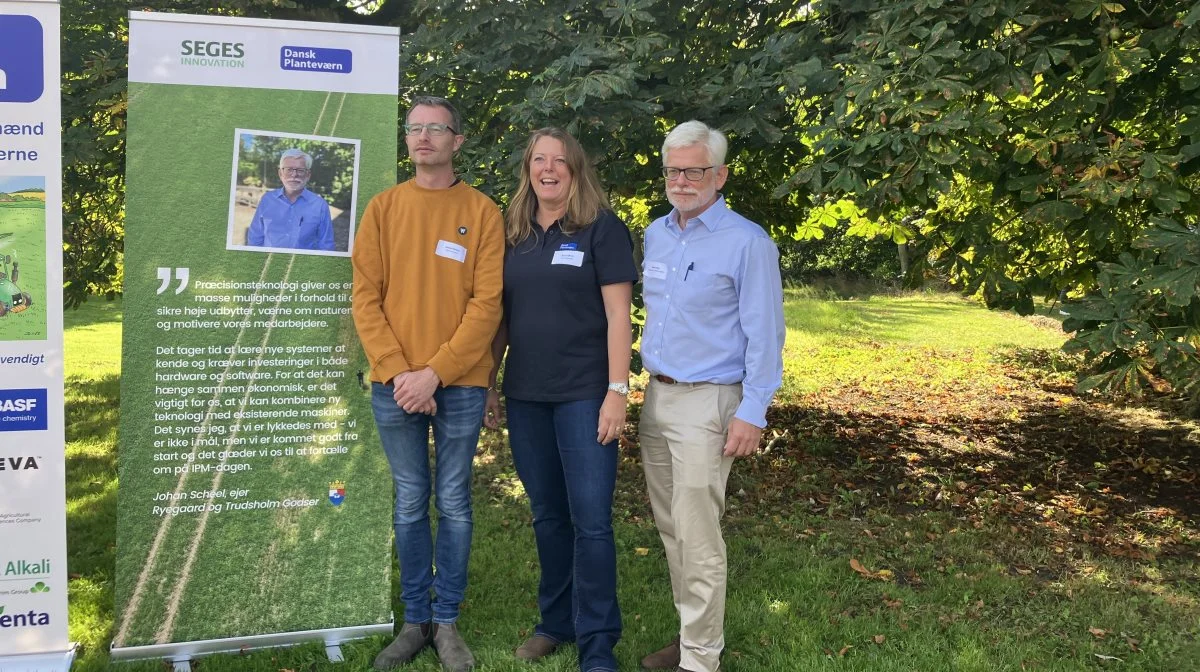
{"x": 1054, "y": 211}
{"x": 1192, "y": 16}
{"x": 1149, "y": 166}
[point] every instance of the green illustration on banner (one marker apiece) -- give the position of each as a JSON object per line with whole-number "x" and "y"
{"x": 22, "y": 258}
{"x": 254, "y": 498}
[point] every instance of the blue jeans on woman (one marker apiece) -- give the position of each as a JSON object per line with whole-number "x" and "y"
{"x": 570, "y": 479}
{"x": 405, "y": 439}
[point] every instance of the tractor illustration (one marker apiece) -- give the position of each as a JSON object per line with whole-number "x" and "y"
{"x": 12, "y": 299}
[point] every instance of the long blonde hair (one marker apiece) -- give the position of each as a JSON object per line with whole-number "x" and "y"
{"x": 585, "y": 200}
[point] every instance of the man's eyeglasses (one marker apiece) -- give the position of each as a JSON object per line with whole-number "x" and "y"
{"x": 692, "y": 174}
{"x": 434, "y": 129}
{"x": 294, "y": 172}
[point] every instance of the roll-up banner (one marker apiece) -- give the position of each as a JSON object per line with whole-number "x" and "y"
{"x": 33, "y": 536}
{"x": 254, "y": 508}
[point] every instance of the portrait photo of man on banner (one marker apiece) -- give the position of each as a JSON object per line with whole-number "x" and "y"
{"x": 292, "y": 193}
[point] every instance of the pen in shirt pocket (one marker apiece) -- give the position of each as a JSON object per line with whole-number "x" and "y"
{"x": 688, "y": 270}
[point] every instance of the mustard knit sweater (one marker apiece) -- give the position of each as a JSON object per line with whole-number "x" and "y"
{"x": 428, "y": 274}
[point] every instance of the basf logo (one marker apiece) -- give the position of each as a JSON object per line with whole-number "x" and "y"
{"x": 22, "y": 410}
{"x": 21, "y": 59}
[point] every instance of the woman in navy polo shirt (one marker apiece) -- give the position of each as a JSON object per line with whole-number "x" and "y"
{"x": 568, "y": 281}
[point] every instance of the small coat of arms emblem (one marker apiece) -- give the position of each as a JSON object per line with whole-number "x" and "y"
{"x": 337, "y": 492}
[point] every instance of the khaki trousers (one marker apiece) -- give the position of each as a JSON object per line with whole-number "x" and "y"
{"x": 682, "y": 435}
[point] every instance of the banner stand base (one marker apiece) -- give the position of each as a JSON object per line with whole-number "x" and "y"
{"x": 180, "y": 654}
{"x": 58, "y": 661}
{"x": 334, "y": 653}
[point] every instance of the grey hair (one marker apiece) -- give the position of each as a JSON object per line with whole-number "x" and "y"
{"x": 436, "y": 101}
{"x": 296, "y": 153}
{"x": 692, "y": 133}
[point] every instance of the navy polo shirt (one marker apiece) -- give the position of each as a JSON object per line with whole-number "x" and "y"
{"x": 557, "y": 329}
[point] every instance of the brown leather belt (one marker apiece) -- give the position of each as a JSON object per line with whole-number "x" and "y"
{"x": 666, "y": 380}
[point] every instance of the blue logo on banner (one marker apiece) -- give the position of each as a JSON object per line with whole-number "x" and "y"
{"x": 21, "y": 59}
{"x": 316, "y": 59}
{"x": 22, "y": 410}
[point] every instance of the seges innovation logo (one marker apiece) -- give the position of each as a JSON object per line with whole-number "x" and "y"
{"x": 212, "y": 54}
{"x": 29, "y": 619}
{"x": 23, "y": 410}
{"x": 22, "y": 68}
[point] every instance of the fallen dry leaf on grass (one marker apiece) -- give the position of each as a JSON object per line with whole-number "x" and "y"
{"x": 1098, "y": 633}
{"x": 879, "y": 639}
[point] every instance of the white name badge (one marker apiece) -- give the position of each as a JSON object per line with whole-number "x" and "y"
{"x": 451, "y": 250}
{"x": 656, "y": 270}
{"x": 568, "y": 257}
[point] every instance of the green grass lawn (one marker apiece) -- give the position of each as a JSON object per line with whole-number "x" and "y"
{"x": 995, "y": 520}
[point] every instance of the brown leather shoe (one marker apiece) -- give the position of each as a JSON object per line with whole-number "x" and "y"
{"x": 666, "y": 658}
{"x": 536, "y": 648}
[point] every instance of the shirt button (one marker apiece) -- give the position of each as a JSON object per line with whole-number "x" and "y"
{"x": 685, "y": 242}
{"x": 668, "y": 296}
{"x": 672, "y": 269}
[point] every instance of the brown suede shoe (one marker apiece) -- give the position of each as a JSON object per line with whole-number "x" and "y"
{"x": 536, "y": 648}
{"x": 666, "y": 658}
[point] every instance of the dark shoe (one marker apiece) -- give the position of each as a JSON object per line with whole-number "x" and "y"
{"x": 536, "y": 648}
{"x": 451, "y": 648}
{"x": 666, "y": 658}
{"x": 682, "y": 669}
{"x": 412, "y": 638}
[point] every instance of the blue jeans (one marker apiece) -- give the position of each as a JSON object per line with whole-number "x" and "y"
{"x": 570, "y": 479}
{"x": 405, "y": 439}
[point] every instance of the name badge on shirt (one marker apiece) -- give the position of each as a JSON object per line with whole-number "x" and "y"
{"x": 451, "y": 250}
{"x": 568, "y": 257}
{"x": 656, "y": 270}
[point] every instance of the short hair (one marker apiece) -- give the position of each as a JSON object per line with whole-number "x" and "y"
{"x": 585, "y": 201}
{"x": 437, "y": 101}
{"x": 692, "y": 133}
{"x": 294, "y": 153}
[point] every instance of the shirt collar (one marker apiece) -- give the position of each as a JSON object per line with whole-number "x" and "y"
{"x": 304, "y": 193}
{"x": 711, "y": 217}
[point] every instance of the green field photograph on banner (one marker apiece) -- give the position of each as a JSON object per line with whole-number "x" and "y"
{"x": 254, "y": 509}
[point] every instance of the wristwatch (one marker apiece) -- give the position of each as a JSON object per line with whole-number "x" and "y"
{"x": 620, "y": 388}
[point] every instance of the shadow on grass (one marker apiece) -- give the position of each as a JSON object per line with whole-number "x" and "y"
{"x": 94, "y": 312}
{"x": 1069, "y": 473}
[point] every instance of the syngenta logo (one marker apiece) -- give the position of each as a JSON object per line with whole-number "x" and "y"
{"x": 29, "y": 619}
{"x": 18, "y": 463}
{"x": 212, "y": 54}
{"x": 27, "y": 567}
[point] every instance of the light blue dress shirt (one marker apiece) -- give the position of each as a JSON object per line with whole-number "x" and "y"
{"x": 303, "y": 225}
{"x": 714, "y": 305}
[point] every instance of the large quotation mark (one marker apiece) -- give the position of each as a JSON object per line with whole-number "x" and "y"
{"x": 164, "y": 276}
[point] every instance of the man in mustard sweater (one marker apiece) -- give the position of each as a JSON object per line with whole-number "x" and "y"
{"x": 428, "y": 266}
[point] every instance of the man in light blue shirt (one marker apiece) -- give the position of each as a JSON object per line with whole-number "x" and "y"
{"x": 713, "y": 345}
{"x": 292, "y": 216}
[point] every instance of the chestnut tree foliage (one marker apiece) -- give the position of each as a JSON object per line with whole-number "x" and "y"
{"x": 1022, "y": 149}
